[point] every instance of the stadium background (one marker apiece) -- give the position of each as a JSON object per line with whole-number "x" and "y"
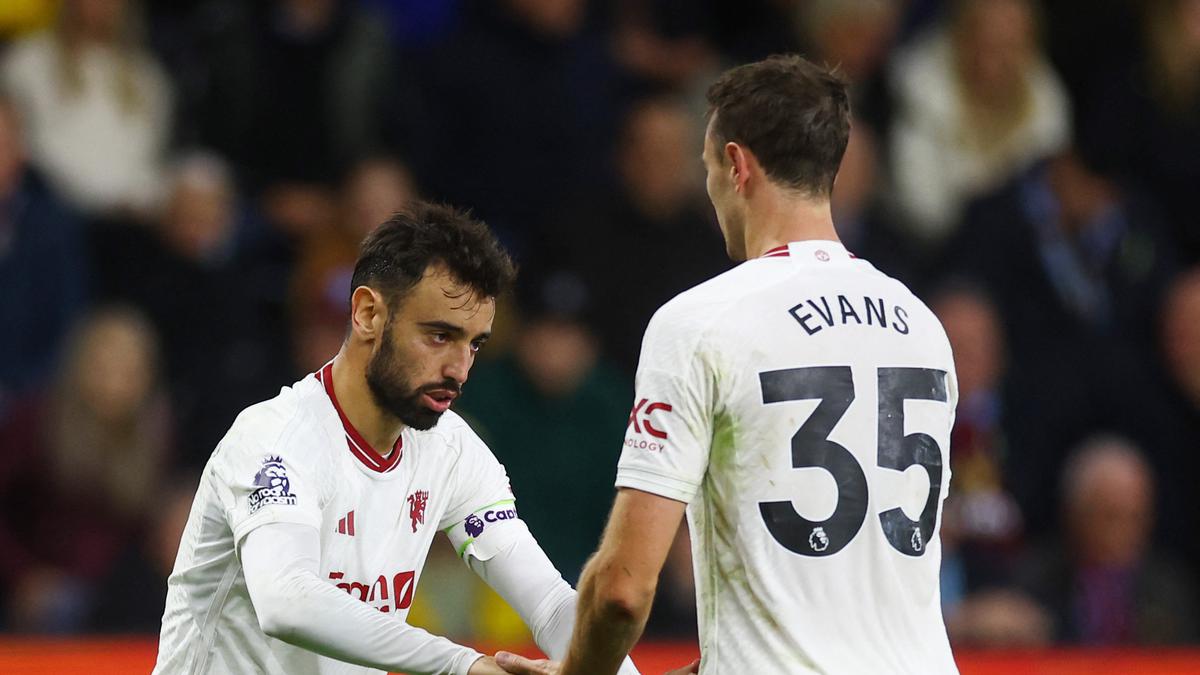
{"x": 182, "y": 186}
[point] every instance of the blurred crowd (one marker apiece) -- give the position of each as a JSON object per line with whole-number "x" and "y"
{"x": 183, "y": 185}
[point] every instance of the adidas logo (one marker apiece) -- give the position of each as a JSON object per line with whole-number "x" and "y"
{"x": 346, "y": 524}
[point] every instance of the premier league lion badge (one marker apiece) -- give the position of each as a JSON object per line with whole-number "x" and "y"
{"x": 474, "y": 525}
{"x": 273, "y": 485}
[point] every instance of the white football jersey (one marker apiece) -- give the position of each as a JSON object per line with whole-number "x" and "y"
{"x": 801, "y": 405}
{"x": 297, "y": 459}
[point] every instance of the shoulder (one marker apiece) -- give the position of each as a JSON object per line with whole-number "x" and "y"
{"x": 290, "y": 422}
{"x": 693, "y": 324}
{"x": 700, "y": 306}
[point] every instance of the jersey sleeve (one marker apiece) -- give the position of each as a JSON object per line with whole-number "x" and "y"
{"x": 482, "y": 517}
{"x": 669, "y": 433}
{"x": 267, "y": 483}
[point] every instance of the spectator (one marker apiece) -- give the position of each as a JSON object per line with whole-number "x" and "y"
{"x": 1181, "y": 423}
{"x": 374, "y": 190}
{"x": 294, "y": 92}
{"x": 663, "y": 42}
{"x": 856, "y": 36}
{"x": 522, "y": 102}
{"x": 81, "y": 471}
{"x": 1105, "y": 583}
{"x": 1145, "y": 123}
{"x": 131, "y": 598}
{"x": 654, "y": 224}
{"x": 96, "y": 105}
{"x": 1076, "y": 267}
{"x": 981, "y": 523}
{"x": 42, "y": 269}
{"x": 220, "y": 328}
{"x": 1181, "y": 335}
{"x": 863, "y": 221}
{"x": 1066, "y": 246}
{"x": 976, "y": 104}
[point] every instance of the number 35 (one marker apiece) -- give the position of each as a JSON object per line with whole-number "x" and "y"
{"x": 811, "y": 447}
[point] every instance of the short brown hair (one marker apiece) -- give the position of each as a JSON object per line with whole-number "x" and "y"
{"x": 791, "y": 113}
{"x": 394, "y": 257}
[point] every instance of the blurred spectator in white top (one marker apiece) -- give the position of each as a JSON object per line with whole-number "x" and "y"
{"x": 97, "y": 106}
{"x": 976, "y": 102}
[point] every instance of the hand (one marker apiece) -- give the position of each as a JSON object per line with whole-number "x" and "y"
{"x": 693, "y": 667}
{"x": 486, "y": 665}
{"x": 519, "y": 665}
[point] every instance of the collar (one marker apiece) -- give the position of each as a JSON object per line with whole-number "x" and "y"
{"x": 358, "y": 445}
{"x": 813, "y": 251}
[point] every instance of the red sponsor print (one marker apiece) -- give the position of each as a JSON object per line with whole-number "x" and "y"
{"x": 382, "y": 594}
{"x": 639, "y": 417}
{"x": 416, "y": 507}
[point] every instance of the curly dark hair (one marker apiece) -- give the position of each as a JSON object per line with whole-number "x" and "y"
{"x": 791, "y": 113}
{"x": 394, "y": 257}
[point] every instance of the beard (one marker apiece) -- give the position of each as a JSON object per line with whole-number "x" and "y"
{"x": 394, "y": 393}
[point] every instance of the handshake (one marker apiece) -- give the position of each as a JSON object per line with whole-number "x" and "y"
{"x": 506, "y": 663}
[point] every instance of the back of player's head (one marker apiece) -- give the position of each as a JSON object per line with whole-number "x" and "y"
{"x": 791, "y": 113}
{"x": 394, "y": 257}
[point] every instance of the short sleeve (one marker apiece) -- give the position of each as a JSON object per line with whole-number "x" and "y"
{"x": 482, "y": 518}
{"x": 669, "y": 433}
{"x": 267, "y": 485}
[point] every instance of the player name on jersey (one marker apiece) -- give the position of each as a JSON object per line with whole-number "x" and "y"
{"x": 816, "y": 314}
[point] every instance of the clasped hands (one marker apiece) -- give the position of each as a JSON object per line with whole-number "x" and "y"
{"x": 514, "y": 664}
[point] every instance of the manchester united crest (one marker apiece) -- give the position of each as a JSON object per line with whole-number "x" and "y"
{"x": 416, "y": 507}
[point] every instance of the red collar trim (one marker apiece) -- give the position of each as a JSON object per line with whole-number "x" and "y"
{"x": 783, "y": 252}
{"x": 354, "y": 440}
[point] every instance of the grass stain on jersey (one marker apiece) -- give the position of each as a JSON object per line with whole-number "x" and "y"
{"x": 721, "y": 452}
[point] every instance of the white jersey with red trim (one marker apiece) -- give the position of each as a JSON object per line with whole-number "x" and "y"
{"x": 801, "y": 404}
{"x": 297, "y": 459}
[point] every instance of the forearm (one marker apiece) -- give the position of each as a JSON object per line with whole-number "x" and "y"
{"x": 609, "y": 620}
{"x": 294, "y": 605}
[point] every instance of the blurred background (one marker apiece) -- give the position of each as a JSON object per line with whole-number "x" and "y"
{"x": 183, "y": 185}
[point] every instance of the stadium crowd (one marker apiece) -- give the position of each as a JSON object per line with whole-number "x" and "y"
{"x": 183, "y": 186}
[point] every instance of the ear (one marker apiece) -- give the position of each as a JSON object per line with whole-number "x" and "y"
{"x": 739, "y": 170}
{"x": 368, "y": 313}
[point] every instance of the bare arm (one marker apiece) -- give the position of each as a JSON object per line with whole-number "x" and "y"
{"x": 618, "y": 584}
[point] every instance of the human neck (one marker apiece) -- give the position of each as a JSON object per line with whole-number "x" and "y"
{"x": 777, "y": 220}
{"x": 378, "y": 427}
